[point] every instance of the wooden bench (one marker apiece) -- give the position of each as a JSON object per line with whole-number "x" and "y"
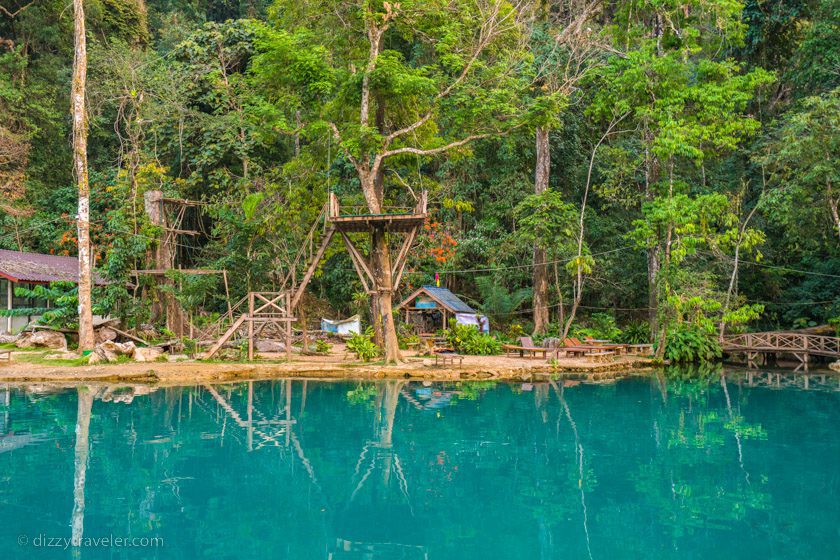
{"x": 600, "y": 356}
{"x": 596, "y": 355}
{"x": 5, "y": 355}
{"x": 639, "y": 349}
{"x": 443, "y": 358}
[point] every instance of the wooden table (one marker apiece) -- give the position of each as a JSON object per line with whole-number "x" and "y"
{"x": 639, "y": 348}
{"x": 445, "y": 357}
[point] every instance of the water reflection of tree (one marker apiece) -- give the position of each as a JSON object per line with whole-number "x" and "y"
{"x": 80, "y": 459}
{"x": 690, "y": 480}
{"x": 378, "y": 519}
{"x": 586, "y": 480}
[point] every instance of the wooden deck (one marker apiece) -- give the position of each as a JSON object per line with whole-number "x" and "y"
{"x": 799, "y": 345}
{"x": 367, "y": 222}
{"x": 404, "y": 220}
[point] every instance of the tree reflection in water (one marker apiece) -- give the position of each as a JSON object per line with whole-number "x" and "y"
{"x": 689, "y": 460}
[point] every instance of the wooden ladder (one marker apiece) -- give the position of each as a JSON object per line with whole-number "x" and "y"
{"x": 225, "y": 337}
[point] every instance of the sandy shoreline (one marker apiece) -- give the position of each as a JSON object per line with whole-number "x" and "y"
{"x": 328, "y": 367}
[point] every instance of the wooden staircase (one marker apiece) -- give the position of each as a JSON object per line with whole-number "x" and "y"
{"x": 226, "y": 336}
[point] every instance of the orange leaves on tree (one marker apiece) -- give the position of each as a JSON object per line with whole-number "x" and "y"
{"x": 441, "y": 244}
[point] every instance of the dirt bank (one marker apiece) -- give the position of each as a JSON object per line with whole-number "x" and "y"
{"x": 319, "y": 367}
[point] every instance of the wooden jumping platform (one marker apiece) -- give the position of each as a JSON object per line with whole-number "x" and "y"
{"x": 799, "y": 345}
{"x": 365, "y": 222}
{"x": 405, "y": 221}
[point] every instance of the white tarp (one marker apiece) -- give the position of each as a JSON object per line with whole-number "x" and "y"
{"x": 351, "y": 325}
{"x": 479, "y": 321}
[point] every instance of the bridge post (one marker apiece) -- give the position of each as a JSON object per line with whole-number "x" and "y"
{"x": 807, "y": 355}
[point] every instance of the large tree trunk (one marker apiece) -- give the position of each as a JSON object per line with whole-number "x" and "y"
{"x": 833, "y": 204}
{"x": 381, "y": 261}
{"x": 653, "y": 298}
{"x": 651, "y": 173}
{"x": 379, "y": 336}
{"x": 540, "y": 277}
{"x": 86, "y": 339}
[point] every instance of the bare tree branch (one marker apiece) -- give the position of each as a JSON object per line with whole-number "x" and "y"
{"x": 337, "y": 137}
{"x": 490, "y": 29}
{"x": 16, "y": 12}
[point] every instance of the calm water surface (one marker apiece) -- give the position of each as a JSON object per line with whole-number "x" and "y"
{"x": 647, "y": 468}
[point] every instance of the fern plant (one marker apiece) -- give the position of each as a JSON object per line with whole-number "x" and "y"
{"x": 635, "y": 333}
{"x": 497, "y": 302}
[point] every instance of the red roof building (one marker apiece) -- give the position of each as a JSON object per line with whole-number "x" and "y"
{"x": 36, "y": 268}
{"x": 18, "y": 267}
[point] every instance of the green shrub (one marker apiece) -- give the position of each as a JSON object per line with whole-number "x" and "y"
{"x": 835, "y": 323}
{"x": 467, "y": 339}
{"x": 363, "y": 346}
{"x": 57, "y": 304}
{"x": 191, "y": 346}
{"x": 406, "y": 336}
{"x": 322, "y": 346}
{"x": 690, "y": 343}
{"x": 635, "y": 333}
{"x": 599, "y": 325}
{"x": 514, "y": 331}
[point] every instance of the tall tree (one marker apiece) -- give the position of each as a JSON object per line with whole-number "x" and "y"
{"x": 411, "y": 79}
{"x": 687, "y": 108}
{"x": 80, "y": 165}
{"x": 562, "y": 45}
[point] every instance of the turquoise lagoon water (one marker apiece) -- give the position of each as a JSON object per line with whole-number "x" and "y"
{"x": 649, "y": 468}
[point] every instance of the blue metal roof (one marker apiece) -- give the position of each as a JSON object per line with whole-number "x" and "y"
{"x": 448, "y": 299}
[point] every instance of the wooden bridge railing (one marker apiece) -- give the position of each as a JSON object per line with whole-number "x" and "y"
{"x": 815, "y": 345}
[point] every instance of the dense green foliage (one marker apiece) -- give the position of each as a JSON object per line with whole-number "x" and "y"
{"x": 689, "y": 343}
{"x": 705, "y": 134}
{"x": 56, "y": 304}
{"x": 361, "y": 344}
{"x": 467, "y": 339}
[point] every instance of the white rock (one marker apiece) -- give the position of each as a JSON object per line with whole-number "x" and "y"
{"x": 150, "y": 354}
{"x": 269, "y": 346}
{"x": 105, "y": 334}
{"x": 110, "y": 351}
{"x": 835, "y": 365}
{"x": 42, "y": 339}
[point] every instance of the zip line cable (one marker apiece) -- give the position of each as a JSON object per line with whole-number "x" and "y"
{"x": 530, "y": 265}
{"x": 775, "y": 267}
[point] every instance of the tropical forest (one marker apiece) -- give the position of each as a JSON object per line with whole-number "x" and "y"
{"x": 660, "y": 171}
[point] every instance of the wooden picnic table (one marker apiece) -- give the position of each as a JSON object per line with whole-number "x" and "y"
{"x": 6, "y": 355}
{"x": 431, "y": 345}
